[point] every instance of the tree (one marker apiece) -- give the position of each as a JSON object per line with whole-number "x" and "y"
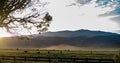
{"x": 21, "y": 15}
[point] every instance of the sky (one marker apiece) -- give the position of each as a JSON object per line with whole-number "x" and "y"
{"x": 84, "y": 14}
{"x": 97, "y": 15}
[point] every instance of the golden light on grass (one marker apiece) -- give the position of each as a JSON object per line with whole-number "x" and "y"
{"x": 2, "y": 43}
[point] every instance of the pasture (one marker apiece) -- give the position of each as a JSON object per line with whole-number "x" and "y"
{"x": 59, "y": 56}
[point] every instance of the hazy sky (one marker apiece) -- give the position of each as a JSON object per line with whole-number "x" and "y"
{"x": 83, "y": 14}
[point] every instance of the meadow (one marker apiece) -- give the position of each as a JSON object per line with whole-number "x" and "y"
{"x": 59, "y": 56}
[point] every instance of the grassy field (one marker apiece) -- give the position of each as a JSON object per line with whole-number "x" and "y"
{"x": 87, "y": 53}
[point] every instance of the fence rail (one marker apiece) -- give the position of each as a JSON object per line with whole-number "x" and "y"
{"x": 56, "y": 59}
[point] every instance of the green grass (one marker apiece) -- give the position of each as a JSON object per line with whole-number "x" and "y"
{"x": 99, "y": 54}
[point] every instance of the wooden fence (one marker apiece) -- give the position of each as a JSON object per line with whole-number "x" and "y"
{"x": 55, "y": 59}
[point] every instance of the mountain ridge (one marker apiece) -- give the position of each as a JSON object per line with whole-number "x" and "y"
{"x": 98, "y": 40}
{"x": 77, "y": 33}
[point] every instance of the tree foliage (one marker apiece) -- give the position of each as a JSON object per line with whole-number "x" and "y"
{"x": 21, "y": 15}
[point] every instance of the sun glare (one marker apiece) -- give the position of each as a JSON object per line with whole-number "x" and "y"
{"x": 4, "y": 34}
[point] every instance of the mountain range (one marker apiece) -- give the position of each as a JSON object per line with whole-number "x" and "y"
{"x": 77, "y": 33}
{"x": 76, "y": 39}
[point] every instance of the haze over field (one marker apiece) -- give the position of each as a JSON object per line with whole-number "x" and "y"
{"x": 65, "y": 40}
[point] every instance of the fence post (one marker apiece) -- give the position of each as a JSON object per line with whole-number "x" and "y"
{"x": 74, "y": 60}
{"x": 86, "y": 60}
{"x": 36, "y": 59}
{"x": 1, "y": 60}
{"x": 49, "y": 59}
{"x": 49, "y": 56}
{"x": 2, "y": 57}
{"x": 25, "y": 58}
{"x": 61, "y": 60}
{"x": 113, "y": 61}
{"x": 14, "y": 59}
{"x": 99, "y": 61}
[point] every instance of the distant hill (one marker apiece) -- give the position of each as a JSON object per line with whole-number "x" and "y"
{"x": 77, "y": 33}
{"x": 76, "y": 39}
